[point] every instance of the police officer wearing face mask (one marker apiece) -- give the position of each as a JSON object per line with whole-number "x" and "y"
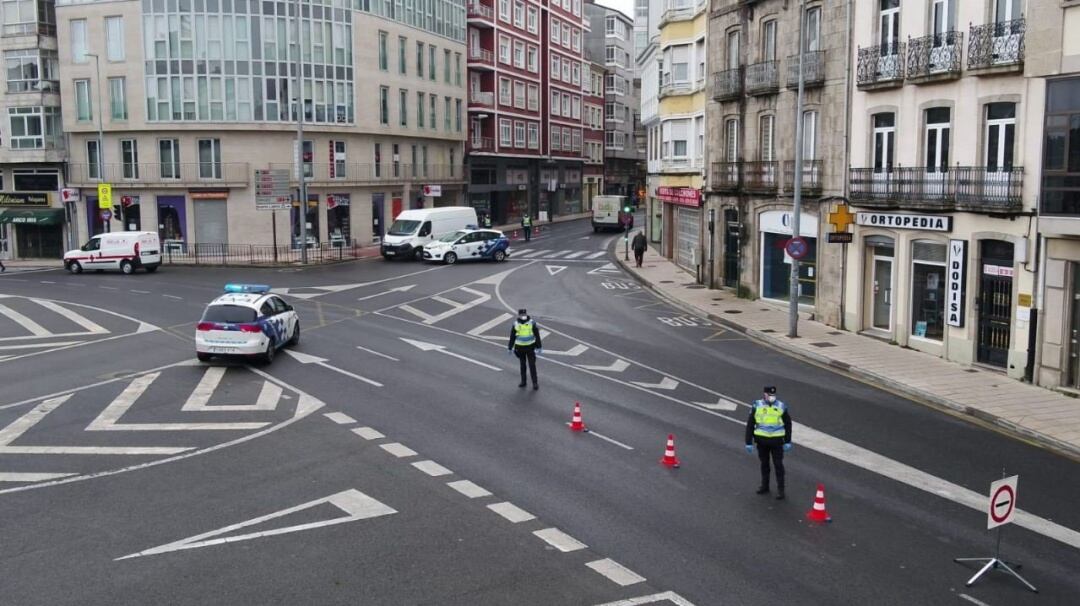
{"x": 769, "y": 426}
{"x": 525, "y": 343}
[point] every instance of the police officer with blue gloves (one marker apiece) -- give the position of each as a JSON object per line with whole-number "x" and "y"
{"x": 525, "y": 343}
{"x": 769, "y": 426}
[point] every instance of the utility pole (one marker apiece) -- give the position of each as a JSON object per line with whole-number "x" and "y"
{"x": 302, "y": 193}
{"x": 100, "y": 132}
{"x": 793, "y": 294}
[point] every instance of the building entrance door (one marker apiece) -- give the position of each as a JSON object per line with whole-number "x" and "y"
{"x": 995, "y": 302}
{"x": 731, "y": 247}
{"x": 883, "y": 292}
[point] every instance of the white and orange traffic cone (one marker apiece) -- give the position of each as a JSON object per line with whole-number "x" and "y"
{"x": 670, "y": 460}
{"x": 576, "y": 424}
{"x": 818, "y": 513}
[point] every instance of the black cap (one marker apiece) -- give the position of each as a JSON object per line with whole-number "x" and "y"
{"x": 522, "y": 312}
{"x": 770, "y": 390}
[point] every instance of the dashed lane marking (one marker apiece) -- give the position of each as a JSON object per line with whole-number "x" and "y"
{"x": 511, "y": 512}
{"x": 368, "y": 433}
{"x": 398, "y": 450}
{"x": 173, "y": 297}
{"x": 616, "y": 572}
{"x": 469, "y": 489}
{"x": 559, "y": 540}
{"x": 432, "y": 468}
{"x": 339, "y": 417}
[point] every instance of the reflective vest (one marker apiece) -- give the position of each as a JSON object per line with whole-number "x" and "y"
{"x": 524, "y": 334}
{"x": 769, "y": 419}
{"x": 526, "y": 221}
{"x": 487, "y": 221}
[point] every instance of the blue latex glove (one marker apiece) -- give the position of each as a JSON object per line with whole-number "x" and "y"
{"x": 750, "y": 448}
{"x": 539, "y": 351}
{"x": 788, "y": 446}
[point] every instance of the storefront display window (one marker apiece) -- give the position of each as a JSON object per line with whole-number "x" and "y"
{"x": 312, "y": 217}
{"x": 337, "y": 218}
{"x": 776, "y": 269}
{"x": 928, "y": 290}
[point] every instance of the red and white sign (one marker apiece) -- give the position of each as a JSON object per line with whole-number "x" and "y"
{"x": 998, "y": 270}
{"x": 69, "y": 194}
{"x": 684, "y": 196}
{"x": 1002, "y": 502}
{"x": 336, "y": 200}
{"x": 433, "y": 190}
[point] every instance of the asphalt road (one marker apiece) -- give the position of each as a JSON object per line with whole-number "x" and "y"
{"x": 395, "y": 460}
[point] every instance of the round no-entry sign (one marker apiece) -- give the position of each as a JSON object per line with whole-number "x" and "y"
{"x": 797, "y": 248}
{"x": 106, "y": 215}
{"x": 1002, "y": 502}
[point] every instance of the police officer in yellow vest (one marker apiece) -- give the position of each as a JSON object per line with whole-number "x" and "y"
{"x": 526, "y": 226}
{"x": 769, "y": 426}
{"x": 525, "y": 343}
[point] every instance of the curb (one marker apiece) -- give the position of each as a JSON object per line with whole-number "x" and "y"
{"x": 916, "y": 395}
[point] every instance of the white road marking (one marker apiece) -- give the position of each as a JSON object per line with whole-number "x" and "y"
{"x": 616, "y": 572}
{"x": 606, "y": 269}
{"x": 432, "y": 468}
{"x": 355, "y": 504}
{"x": 29, "y": 419}
{"x": 39, "y": 345}
{"x": 455, "y": 307}
{"x": 398, "y": 450}
{"x": 554, "y": 269}
{"x": 559, "y": 540}
{"x": 30, "y": 325}
{"x": 511, "y": 512}
{"x": 616, "y": 366}
{"x": 173, "y": 297}
{"x": 304, "y": 358}
{"x": 368, "y": 433}
{"x": 721, "y": 403}
{"x": 140, "y": 292}
{"x": 596, "y": 255}
{"x": 47, "y": 282}
{"x": 386, "y": 292}
{"x": 613, "y": 441}
{"x": 339, "y": 417}
{"x": 523, "y": 252}
{"x": 573, "y": 352}
{"x": 79, "y": 319}
{"x": 577, "y": 254}
{"x": 108, "y": 288}
{"x": 376, "y": 353}
{"x": 469, "y": 489}
{"x": 14, "y": 476}
{"x": 972, "y": 600}
{"x": 656, "y": 598}
{"x": 199, "y": 399}
{"x": 557, "y": 254}
{"x": 422, "y": 346}
{"x": 480, "y": 331}
{"x": 536, "y": 253}
{"x": 109, "y": 418}
{"x": 666, "y": 383}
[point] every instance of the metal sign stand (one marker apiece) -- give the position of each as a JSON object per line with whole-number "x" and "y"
{"x": 996, "y": 562}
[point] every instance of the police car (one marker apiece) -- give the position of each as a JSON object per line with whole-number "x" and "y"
{"x": 246, "y": 321}
{"x": 468, "y": 244}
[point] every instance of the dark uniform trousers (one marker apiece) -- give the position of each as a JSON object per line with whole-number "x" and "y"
{"x": 527, "y": 355}
{"x": 771, "y": 447}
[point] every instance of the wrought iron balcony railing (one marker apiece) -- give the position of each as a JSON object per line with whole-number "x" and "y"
{"x": 482, "y": 56}
{"x": 971, "y": 188}
{"x": 763, "y": 78}
{"x": 727, "y": 84}
{"x": 345, "y": 173}
{"x": 478, "y": 10}
{"x": 761, "y": 176}
{"x": 482, "y": 144}
{"x": 145, "y": 174}
{"x": 724, "y": 176}
{"x": 935, "y": 55}
{"x": 813, "y": 71}
{"x": 811, "y": 176}
{"x": 484, "y": 98}
{"x": 999, "y": 44}
{"x": 881, "y": 65}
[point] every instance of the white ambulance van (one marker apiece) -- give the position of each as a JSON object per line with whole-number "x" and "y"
{"x": 412, "y": 229}
{"x": 123, "y": 250}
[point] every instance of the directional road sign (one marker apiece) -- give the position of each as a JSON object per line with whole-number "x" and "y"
{"x": 1002, "y": 502}
{"x": 272, "y": 191}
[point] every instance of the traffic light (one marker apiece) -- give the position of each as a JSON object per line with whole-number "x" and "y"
{"x": 626, "y": 209}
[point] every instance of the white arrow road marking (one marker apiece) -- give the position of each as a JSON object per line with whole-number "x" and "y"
{"x": 721, "y": 404}
{"x": 355, "y": 504}
{"x": 31, "y": 477}
{"x": 35, "y": 329}
{"x": 616, "y": 366}
{"x": 608, "y": 268}
{"x": 480, "y": 331}
{"x": 304, "y": 358}
{"x": 79, "y": 319}
{"x": 554, "y": 269}
{"x": 200, "y": 396}
{"x": 109, "y": 418}
{"x": 455, "y": 307}
{"x": 495, "y": 279}
{"x": 422, "y": 346}
{"x": 666, "y": 383}
{"x": 386, "y": 292}
{"x": 573, "y": 352}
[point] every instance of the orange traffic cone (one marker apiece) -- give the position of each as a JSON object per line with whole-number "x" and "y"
{"x": 817, "y": 513}
{"x": 670, "y": 460}
{"x": 514, "y": 236}
{"x": 576, "y": 424}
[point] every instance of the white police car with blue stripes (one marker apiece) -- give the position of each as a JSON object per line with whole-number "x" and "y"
{"x": 246, "y": 321}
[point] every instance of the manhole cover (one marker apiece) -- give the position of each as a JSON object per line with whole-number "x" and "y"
{"x": 768, "y": 330}
{"x": 732, "y": 311}
{"x": 718, "y": 298}
{"x": 823, "y": 344}
{"x": 667, "y": 281}
{"x": 767, "y": 309}
{"x": 835, "y": 332}
{"x": 696, "y": 286}
{"x": 970, "y": 370}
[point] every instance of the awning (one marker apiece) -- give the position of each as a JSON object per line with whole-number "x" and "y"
{"x": 32, "y": 216}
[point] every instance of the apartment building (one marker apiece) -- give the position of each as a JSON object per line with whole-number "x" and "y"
{"x": 1053, "y": 59}
{"x": 611, "y": 38}
{"x": 592, "y": 115}
{"x": 676, "y": 132}
{"x": 525, "y": 71}
{"x": 195, "y": 97}
{"x": 945, "y": 135}
{"x": 32, "y": 151}
{"x": 755, "y": 53}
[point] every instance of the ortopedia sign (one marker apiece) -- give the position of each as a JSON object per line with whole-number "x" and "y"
{"x": 685, "y": 196}
{"x": 1002, "y": 505}
{"x": 904, "y": 221}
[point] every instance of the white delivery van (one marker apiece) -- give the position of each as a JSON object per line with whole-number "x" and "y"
{"x": 123, "y": 250}
{"x": 412, "y": 229}
{"x": 608, "y": 212}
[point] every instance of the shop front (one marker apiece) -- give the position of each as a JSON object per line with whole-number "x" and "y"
{"x": 339, "y": 219}
{"x": 30, "y": 227}
{"x": 684, "y": 205}
{"x": 775, "y": 228}
{"x": 571, "y": 186}
{"x": 210, "y": 207}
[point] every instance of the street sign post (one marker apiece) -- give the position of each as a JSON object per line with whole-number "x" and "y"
{"x": 1001, "y": 507}
{"x": 104, "y": 201}
{"x": 106, "y": 214}
{"x": 272, "y": 190}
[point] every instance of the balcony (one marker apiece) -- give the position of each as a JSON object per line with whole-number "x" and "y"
{"x": 727, "y": 84}
{"x": 724, "y": 176}
{"x": 481, "y": 58}
{"x": 811, "y": 176}
{"x": 763, "y": 78}
{"x": 968, "y": 188}
{"x": 760, "y": 177}
{"x": 481, "y": 100}
{"x": 152, "y": 174}
{"x": 813, "y": 71}
{"x": 480, "y": 14}
{"x": 668, "y": 89}
{"x": 935, "y": 57}
{"x": 997, "y": 47}
{"x": 481, "y": 145}
{"x": 327, "y": 174}
{"x": 880, "y": 66}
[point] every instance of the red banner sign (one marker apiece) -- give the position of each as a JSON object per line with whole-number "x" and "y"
{"x": 685, "y": 196}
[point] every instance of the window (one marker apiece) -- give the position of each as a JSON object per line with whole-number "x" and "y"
{"x": 431, "y": 62}
{"x": 432, "y": 100}
{"x": 395, "y": 159}
{"x": 419, "y": 59}
{"x": 519, "y": 14}
{"x": 446, "y": 65}
{"x": 505, "y": 138}
{"x": 566, "y": 142}
{"x": 129, "y": 158}
{"x": 534, "y": 135}
{"x": 768, "y": 41}
{"x": 93, "y": 160}
{"x": 533, "y": 100}
{"x": 504, "y": 91}
{"x": 210, "y": 158}
{"x": 519, "y": 94}
{"x": 531, "y": 62}
{"x": 447, "y": 118}
{"x": 928, "y": 289}
{"x": 1061, "y": 149}
{"x": 83, "y": 105}
{"x": 31, "y": 70}
{"x": 699, "y": 49}
{"x": 519, "y": 134}
{"x": 169, "y": 158}
{"x": 576, "y": 73}
{"x": 457, "y": 69}
{"x": 1000, "y": 134}
{"x": 457, "y": 115}
{"x": 504, "y": 49}
{"x": 420, "y": 98}
{"x": 403, "y": 107}
{"x": 812, "y": 41}
{"x": 575, "y": 106}
{"x": 414, "y": 160}
{"x": 731, "y": 140}
{"x": 531, "y": 19}
{"x": 114, "y": 37}
{"x": 937, "y": 140}
{"x": 565, "y": 105}
{"x": 576, "y": 40}
{"x": 339, "y": 160}
{"x": 765, "y": 138}
{"x": 809, "y": 125}
{"x": 556, "y": 103}
{"x": 403, "y": 43}
{"x": 117, "y": 99}
{"x": 519, "y": 54}
{"x": 733, "y": 50}
{"x": 382, "y": 51}
{"x": 555, "y": 32}
{"x": 889, "y": 26}
{"x": 566, "y": 70}
{"x": 556, "y": 139}
{"x": 504, "y": 10}
{"x": 679, "y": 136}
{"x": 384, "y": 105}
{"x": 424, "y": 159}
{"x": 566, "y": 35}
{"x": 884, "y": 140}
{"x": 78, "y": 41}
{"x": 699, "y": 128}
{"x": 678, "y": 58}
{"x": 556, "y": 66}
{"x": 377, "y": 157}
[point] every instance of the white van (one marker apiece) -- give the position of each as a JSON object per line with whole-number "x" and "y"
{"x": 123, "y": 250}
{"x": 412, "y": 229}
{"x": 608, "y": 213}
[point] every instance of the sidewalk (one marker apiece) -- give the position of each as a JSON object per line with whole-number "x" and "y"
{"x": 17, "y": 265}
{"x": 1044, "y": 416}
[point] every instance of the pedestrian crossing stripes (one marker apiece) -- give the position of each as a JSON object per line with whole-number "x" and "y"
{"x": 566, "y": 255}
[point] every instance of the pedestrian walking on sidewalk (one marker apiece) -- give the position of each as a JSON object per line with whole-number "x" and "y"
{"x": 769, "y": 427}
{"x": 525, "y": 343}
{"x": 526, "y": 226}
{"x": 2, "y": 268}
{"x": 639, "y": 245}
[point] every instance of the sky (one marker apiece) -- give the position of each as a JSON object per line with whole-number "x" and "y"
{"x": 626, "y": 6}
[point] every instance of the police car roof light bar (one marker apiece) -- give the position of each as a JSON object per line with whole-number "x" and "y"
{"x": 259, "y": 289}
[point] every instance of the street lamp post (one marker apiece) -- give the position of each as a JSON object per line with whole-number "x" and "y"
{"x": 302, "y": 193}
{"x": 793, "y": 290}
{"x": 100, "y": 131}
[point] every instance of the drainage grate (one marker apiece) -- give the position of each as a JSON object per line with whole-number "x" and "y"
{"x": 732, "y": 311}
{"x": 767, "y": 330}
{"x": 667, "y": 281}
{"x": 695, "y": 286}
{"x": 824, "y": 344}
